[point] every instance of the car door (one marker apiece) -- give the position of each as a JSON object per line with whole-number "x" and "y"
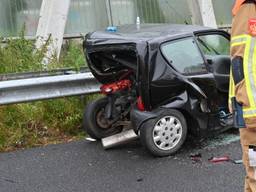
{"x": 214, "y": 46}
{"x": 188, "y": 57}
{"x": 179, "y": 59}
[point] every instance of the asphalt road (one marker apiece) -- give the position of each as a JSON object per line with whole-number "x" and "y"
{"x": 85, "y": 167}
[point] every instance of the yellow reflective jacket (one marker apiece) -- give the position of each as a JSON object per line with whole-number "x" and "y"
{"x": 243, "y": 44}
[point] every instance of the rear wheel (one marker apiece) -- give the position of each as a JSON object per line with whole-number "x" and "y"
{"x": 94, "y": 121}
{"x": 164, "y": 135}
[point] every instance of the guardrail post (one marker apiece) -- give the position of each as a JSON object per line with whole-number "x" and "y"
{"x": 52, "y": 22}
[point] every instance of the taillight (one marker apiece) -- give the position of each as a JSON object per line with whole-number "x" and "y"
{"x": 140, "y": 104}
{"x": 114, "y": 87}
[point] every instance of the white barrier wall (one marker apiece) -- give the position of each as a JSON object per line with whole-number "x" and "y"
{"x": 222, "y": 11}
{"x": 89, "y": 15}
{"x": 51, "y": 26}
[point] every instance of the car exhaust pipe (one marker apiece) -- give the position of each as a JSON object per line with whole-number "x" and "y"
{"x": 119, "y": 139}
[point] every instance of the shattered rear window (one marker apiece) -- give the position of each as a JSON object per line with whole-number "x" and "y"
{"x": 111, "y": 61}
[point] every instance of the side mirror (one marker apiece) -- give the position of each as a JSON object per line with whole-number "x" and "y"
{"x": 221, "y": 65}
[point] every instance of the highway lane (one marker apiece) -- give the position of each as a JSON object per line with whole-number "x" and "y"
{"x": 85, "y": 167}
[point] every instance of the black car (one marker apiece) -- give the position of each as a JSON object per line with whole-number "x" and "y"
{"x": 164, "y": 80}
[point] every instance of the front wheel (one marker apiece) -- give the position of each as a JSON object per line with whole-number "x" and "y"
{"x": 95, "y": 122}
{"x": 164, "y": 135}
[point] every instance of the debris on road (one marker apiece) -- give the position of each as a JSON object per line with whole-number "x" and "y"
{"x": 196, "y": 158}
{"x": 219, "y": 159}
{"x": 240, "y": 161}
{"x": 90, "y": 139}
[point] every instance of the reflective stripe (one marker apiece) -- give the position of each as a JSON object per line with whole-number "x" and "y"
{"x": 234, "y": 38}
{"x": 237, "y": 44}
{"x": 253, "y": 73}
{"x": 252, "y": 88}
{"x": 249, "y": 113}
{"x": 238, "y": 41}
{"x": 231, "y": 87}
{"x": 248, "y": 62}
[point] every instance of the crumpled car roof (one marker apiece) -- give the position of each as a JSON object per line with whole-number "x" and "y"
{"x": 147, "y": 32}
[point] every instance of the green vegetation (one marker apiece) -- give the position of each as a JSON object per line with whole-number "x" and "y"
{"x": 20, "y": 55}
{"x": 43, "y": 122}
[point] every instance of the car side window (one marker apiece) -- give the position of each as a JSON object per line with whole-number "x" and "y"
{"x": 214, "y": 44}
{"x": 184, "y": 56}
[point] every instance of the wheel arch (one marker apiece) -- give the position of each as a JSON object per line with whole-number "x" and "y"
{"x": 192, "y": 124}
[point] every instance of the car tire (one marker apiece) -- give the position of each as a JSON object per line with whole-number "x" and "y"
{"x": 94, "y": 121}
{"x": 164, "y": 135}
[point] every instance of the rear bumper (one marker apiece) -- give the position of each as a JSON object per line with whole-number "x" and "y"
{"x": 140, "y": 117}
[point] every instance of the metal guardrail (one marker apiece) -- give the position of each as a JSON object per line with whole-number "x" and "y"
{"x": 49, "y": 87}
{"x": 54, "y": 72}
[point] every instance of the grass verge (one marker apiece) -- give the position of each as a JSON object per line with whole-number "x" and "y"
{"x": 41, "y": 123}
{"x": 44, "y": 122}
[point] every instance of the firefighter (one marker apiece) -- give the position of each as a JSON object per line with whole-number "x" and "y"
{"x": 243, "y": 82}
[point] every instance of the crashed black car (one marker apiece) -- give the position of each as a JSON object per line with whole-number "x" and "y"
{"x": 163, "y": 80}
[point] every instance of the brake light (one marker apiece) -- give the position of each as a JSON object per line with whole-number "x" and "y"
{"x": 140, "y": 104}
{"x": 114, "y": 87}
